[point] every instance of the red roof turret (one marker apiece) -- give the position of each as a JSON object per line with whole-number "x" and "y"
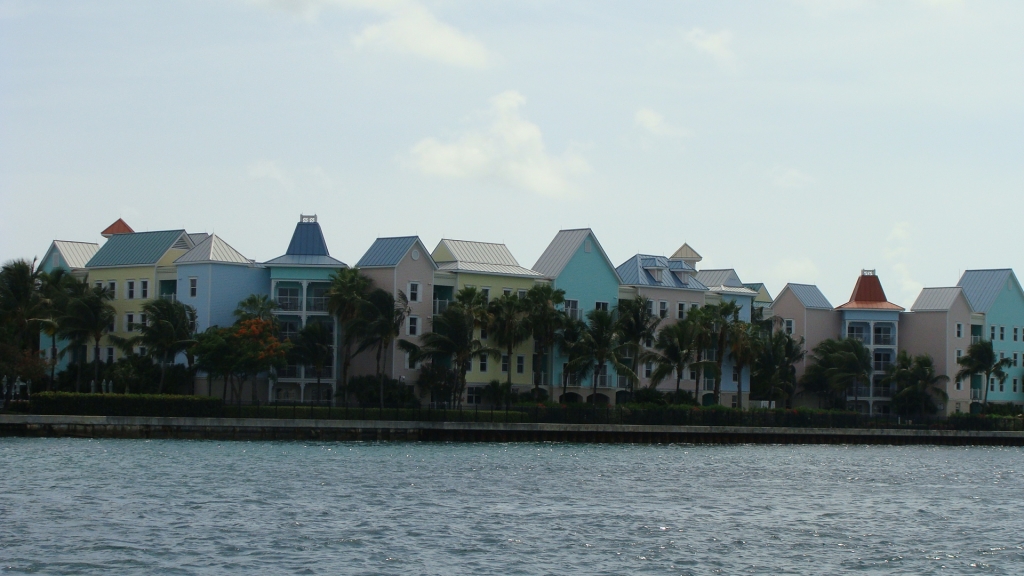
{"x": 868, "y": 294}
{"x": 118, "y": 227}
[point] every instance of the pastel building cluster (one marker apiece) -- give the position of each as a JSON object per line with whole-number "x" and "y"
{"x": 207, "y": 273}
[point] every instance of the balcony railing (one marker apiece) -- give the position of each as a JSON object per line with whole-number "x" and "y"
{"x": 316, "y": 304}
{"x": 862, "y": 338}
{"x": 289, "y": 303}
{"x": 574, "y": 313}
{"x": 882, "y": 366}
{"x": 440, "y": 306}
{"x": 884, "y": 340}
{"x": 172, "y": 297}
{"x": 858, "y": 392}
{"x": 975, "y": 339}
{"x": 540, "y": 378}
{"x": 327, "y": 372}
{"x": 976, "y": 394}
{"x": 289, "y": 371}
{"x": 883, "y": 392}
{"x": 290, "y": 335}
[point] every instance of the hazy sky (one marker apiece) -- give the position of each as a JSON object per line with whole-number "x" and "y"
{"x": 796, "y": 141}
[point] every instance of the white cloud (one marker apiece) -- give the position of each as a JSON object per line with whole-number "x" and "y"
{"x": 510, "y": 149}
{"x": 718, "y": 45}
{"x": 655, "y": 123}
{"x": 783, "y": 177}
{"x": 795, "y": 270}
{"x": 897, "y": 252}
{"x": 408, "y": 28}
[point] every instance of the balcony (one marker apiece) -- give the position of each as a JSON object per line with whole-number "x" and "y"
{"x": 976, "y": 394}
{"x": 440, "y": 306}
{"x": 172, "y": 297}
{"x": 862, "y": 338}
{"x": 574, "y": 313}
{"x": 289, "y": 335}
{"x": 289, "y": 303}
{"x": 975, "y": 339}
{"x": 328, "y": 372}
{"x": 884, "y": 392}
{"x": 881, "y": 366}
{"x": 540, "y": 378}
{"x": 858, "y": 392}
{"x": 316, "y": 304}
{"x": 884, "y": 340}
{"x": 289, "y": 371}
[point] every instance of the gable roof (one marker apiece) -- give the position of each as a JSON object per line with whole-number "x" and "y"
{"x": 809, "y": 296}
{"x": 723, "y": 277}
{"x": 388, "y": 252}
{"x": 482, "y": 257}
{"x": 634, "y": 272}
{"x": 307, "y": 247}
{"x": 561, "y": 250}
{"x": 936, "y": 299}
{"x": 118, "y": 227}
{"x": 213, "y": 249}
{"x": 982, "y": 287}
{"x": 868, "y": 294}
{"x": 138, "y": 248}
{"x": 74, "y": 254}
{"x": 686, "y": 252}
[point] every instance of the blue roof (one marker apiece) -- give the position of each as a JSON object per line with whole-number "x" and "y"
{"x": 136, "y": 249}
{"x": 633, "y": 272}
{"x": 810, "y": 296}
{"x": 303, "y": 260}
{"x": 387, "y": 251}
{"x": 308, "y": 240}
{"x": 982, "y": 287}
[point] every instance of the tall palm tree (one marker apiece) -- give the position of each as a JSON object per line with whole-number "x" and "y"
{"x": 169, "y": 330}
{"x": 636, "y": 324}
{"x": 509, "y": 323}
{"x": 916, "y": 384}
{"x": 981, "y": 359}
{"x": 346, "y": 300}
{"x": 774, "y": 369}
{"x": 383, "y": 327}
{"x": 674, "y": 351}
{"x": 599, "y": 348}
{"x": 56, "y": 289}
{"x": 259, "y": 306}
{"x": 570, "y": 341}
{"x": 703, "y": 323}
{"x": 742, "y": 351}
{"x": 20, "y": 302}
{"x": 545, "y": 321}
{"x": 314, "y": 347}
{"x": 724, "y": 314}
{"x": 88, "y": 318}
{"x": 837, "y": 365}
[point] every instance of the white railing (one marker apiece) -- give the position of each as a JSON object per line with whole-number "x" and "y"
{"x": 316, "y": 304}
{"x": 975, "y": 339}
{"x": 976, "y": 394}
{"x": 882, "y": 366}
{"x": 169, "y": 297}
{"x": 440, "y": 306}
{"x": 289, "y": 303}
{"x": 884, "y": 339}
{"x": 574, "y": 313}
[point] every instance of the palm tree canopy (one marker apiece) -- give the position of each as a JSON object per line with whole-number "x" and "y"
{"x": 256, "y": 306}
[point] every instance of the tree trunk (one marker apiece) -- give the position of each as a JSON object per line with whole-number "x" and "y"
{"x": 380, "y": 374}
{"x": 509, "y": 379}
{"x": 96, "y": 363}
{"x": 163, "y": 373}
{"x": 739, "y": 388}
{"x": 53, "y": 362}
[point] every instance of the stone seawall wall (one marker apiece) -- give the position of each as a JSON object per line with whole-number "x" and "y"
{"x": 372, "y": 430}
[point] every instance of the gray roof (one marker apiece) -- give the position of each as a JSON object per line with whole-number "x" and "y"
{"x": 982, "y": 287}
{"x": 724, "y": 277}
{"x": 635, "y": 272}
{"x": 936, "y": 299}
{"x": 306, "y": 260}
{"x": 212, "y": 249}
{"x": 561, "y": 250}
{"x": 387, "y": 252}
{"x": 724, "y": 289}
{"x": 481, "y": 252}
{"x": 139, "y": 248}
{"x": 483, "y": 268}
{"x": 198, "y": 237}
{"x": 809, "y": 295}
{"x": 75, "y": 254}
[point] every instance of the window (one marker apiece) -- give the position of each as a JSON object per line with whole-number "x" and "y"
{"x": 110, "y": 355}
{"x": 409, "y": 363}
{"x": 414, "y": 326}
{"x": 991, "y": 384}
{"x": 483, "y": 332}
{"x": 855, "y": 332}
{"x": 694, "y": 306}
{"x": 193, "y": 287}
{"x": 1001, "y": 385}
{"x": 504, "y": 364}
{"x": 648, "y": 369}
{"x": 520, "y": 364}
{"x": 992, "y": 332}
{"x": 572, "y": 309}
{"x": 144, "y": 288}
{"x": 787, "y": 326}
{"x": 1014, "y": 384}
{"x": 483, "y": 362}
{"x": 1015, "y": 333}
{"x": 648, "y": 342}
{"x": 959, "y": 353}
{"x": 142, "y": 350}
{"x": 693, "y": 373}
{"x": 474, "y": 395}
{"x": 112, "y": 326}
{"x": 521, "y": 294}
{"x": 601, "y": 306}
{"x": 99, "y": 284}
{"x": 650, "y": 307}
{"x": 959, "y": 384}
{"x": 959, "y": 330}
{"x": 131, "y": 290}
{"x": 1014, "y": 359}
{"x": 112, "y": 286}
{"x": 735, "y": 375}
{"x": 506, "y": 291}
{"x": 469, "y": 365}
{"x": 1002, "y": 332}
{"x": 414, "y": 291}
{"x": 663, "y": 309}
{"x": 129, "y": 322}
{"x": 487, "y": 294}
{"x": 142, "y": 319}
{"x": 680, "y": 310}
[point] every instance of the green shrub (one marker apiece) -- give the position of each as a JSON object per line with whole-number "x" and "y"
{"x": 73, "y": 404}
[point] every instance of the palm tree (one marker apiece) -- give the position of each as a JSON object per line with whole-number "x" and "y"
{"x": 702, "y": 321}
{"x": 674, "y": 351}
{"x": 599, "y": 348}
{"x": 259, "y": 306}
{"x": 169, "y": 330}
{"x": 88, "y": 318}
{"x": 314, "y": 347}
{"x": 20, "y": 303}
{"x": 509, "y": 323}
{"x": 636, "y": 324}
{"x": 838, "y": 365}
{"x": 56, "y": 289}
{"x": 773, "y": 372}
{"x": 346, "y": 300}
{"x": 981, "y": 359}
{"x": 383, "y": 327}
{"x": 451, "y": 342}
{"x": 723, "y": 314}
{"x": 742, "y": 351}
{"x": 545, "y": 320}
{"x": 570, "y": 342}
{"x": 916, "y": 384}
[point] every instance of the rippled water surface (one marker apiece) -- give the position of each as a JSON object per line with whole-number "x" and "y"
{"x": 186, "y": 507}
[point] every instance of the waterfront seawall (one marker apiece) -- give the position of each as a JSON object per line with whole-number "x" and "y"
{"x": 29, "y": 425}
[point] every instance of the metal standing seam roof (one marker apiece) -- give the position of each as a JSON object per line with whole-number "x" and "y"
{"x": 304, "y": 260}
{"x": 139, "y": 248}
{"x": 118, "y": 227}
{"x": 685, "y": 251}
{"x": 936, "y": 299}
{"x": 561, "y": 250}
{"x": 809, "y": 295}
{"x": 198, "y": 237}
{"x": 387, "y": 252}
{"x": 982, "y": 287}
{"x": 307, "y": 240}
{"x": 868, "y": 294}
{"x": 723, "y": 289}
{"x": 75, "y": 254}
{"x": 213, "y": 249}
{"x": 632, "y": 272}
{"x": 481, "y": 252}
{"x": 484, "y": 268}
{"x": 723, "y": 277}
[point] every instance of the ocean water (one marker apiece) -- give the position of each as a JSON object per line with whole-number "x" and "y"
{"x": 71, "y": 506}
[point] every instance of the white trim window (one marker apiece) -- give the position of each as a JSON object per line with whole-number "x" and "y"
{"x": 504, "y": 364}
{"x": 130, "y": 289}
{"x": 110, "y": 355}
{"x": 680, "y": 310}
{"x": 959, "y": 383}
{"x": 409, "y": 364}
{"x": 412, "y": 326}
{"x": 193, "y": 286}
{"x": 142, "y": 320}
{"x": 648, "y": 369}
{"x": 1015, "y": 333}
{"x": 414, "y": 291}
{"x": 129, "y": 322}
{"x": 663, "y": 309}
{"x": 992, "y": 333}
{"x": 112, "y": 286}
{"x": 506, "y": 291}
{"x": 1014, "y": 359}
{"x": 520, "y": 364}
{"x": 1002, "y": 333}
{"x": 601, "y": 306}
{"x": 483, "y": 362}
{"x": 144, "y": 289}
{"x": 486, "y": 291}
{"x": 788, "y": 326}
{"x": 521, "y": 294}
{"x": 959, "y": 330}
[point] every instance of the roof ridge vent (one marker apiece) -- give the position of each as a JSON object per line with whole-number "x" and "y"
{"x": 307, "y": 217}
{"x": 866, "y": 272}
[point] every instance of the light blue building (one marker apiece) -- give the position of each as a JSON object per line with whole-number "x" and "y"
{"x": 299, "y": 281}
{"x": 71, "y": 257}
{"x": 997, "y": 295}
{"x": 213, "y": 278}
{"x": 724, "y": 285}
{"x": 576, "y": 262}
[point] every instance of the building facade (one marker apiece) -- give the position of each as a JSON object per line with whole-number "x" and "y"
{"x": 997, "y": 296}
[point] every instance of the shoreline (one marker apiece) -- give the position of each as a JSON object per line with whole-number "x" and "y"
{"x": 129, "y": 427}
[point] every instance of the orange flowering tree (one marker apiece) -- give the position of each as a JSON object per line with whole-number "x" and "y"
{"x": 256, "y": 349}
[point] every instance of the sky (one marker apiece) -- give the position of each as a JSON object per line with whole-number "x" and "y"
{"x": 795, "y": 141}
